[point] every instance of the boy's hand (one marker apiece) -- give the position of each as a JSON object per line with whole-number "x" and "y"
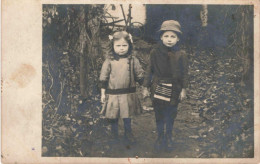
{"x": 146, "y": 92}
{"x": 183, "y": 94}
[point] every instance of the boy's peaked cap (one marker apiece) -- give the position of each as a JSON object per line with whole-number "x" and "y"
{"x": 171, "y": 25}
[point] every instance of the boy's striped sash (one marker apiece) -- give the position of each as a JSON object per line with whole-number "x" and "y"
{"x": 163, "y": 91}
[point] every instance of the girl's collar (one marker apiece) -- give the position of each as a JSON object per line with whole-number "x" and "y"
{"x": 117, "y": 57}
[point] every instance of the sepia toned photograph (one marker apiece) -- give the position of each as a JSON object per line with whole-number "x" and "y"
{"x": 148, "y": 80}
{"x": 129, "y": 82}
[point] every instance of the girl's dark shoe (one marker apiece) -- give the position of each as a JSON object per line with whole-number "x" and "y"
{"x": 113, "y": 140}
{"x": 114, "y": 131}
{"x": 129, "y": 137}
{"x": 114, "y": 135}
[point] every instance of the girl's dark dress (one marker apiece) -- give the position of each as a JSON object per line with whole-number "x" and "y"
{"x": 166, "y": 65}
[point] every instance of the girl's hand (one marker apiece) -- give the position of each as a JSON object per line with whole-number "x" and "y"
{"x": 103, "y": 96}
{"x": 146, "y": 92}
{"x": 183, "y": 94}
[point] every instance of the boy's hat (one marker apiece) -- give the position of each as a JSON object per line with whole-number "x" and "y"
{"x": 171, "y": 25}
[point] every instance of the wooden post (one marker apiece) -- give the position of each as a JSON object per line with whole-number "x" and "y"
{"x": 204, "y": 15}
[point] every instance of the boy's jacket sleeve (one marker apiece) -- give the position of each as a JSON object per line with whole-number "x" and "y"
{"x": 104, "y": 74}
{"x": 148, "y": 72}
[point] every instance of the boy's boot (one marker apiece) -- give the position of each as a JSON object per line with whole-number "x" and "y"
{"x": 169, "y": 142}
{"x": 168, "y": 136}
{"x": 128, "y": 131}
{"x": 160, "y": 141}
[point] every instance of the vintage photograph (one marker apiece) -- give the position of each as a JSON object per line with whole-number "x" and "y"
{"x": 147, "y": 80}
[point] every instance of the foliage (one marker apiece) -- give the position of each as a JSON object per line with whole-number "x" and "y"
{"x": 63, "y": 105}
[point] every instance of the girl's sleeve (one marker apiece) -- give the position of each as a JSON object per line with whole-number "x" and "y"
{"x": 184, "y": 69}
{"x": 139, "y": 72}
{"x": 148, "y": 72}
{"x": 104, "y": 74}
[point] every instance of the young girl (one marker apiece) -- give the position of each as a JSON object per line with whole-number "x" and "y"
{"x": 118, "y": 78}
{"x": 166, "y": 74}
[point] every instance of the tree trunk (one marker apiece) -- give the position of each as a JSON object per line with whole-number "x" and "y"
{"x": 83, "y": 56}
{"x": 245, "y": 45}
{"x": 89, "y": 48}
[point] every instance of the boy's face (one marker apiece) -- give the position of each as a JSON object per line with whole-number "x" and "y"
{"x": 169, "y": 38}
{"x": 121, "y": 46}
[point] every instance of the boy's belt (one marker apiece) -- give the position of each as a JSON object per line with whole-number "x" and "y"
{"x": 121, "y": 91}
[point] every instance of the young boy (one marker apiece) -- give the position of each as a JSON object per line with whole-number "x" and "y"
{"x": 166, "y": 76}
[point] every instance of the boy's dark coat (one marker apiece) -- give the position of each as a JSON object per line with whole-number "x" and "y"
{"x": 167, "y": 65}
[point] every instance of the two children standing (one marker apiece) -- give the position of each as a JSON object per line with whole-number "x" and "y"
{"x": 165, "y": 76}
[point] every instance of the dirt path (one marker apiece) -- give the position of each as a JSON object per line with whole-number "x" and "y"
{"x": 185, "y": 133}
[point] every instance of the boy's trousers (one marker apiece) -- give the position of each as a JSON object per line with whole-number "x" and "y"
{"x": 164, "y": 114}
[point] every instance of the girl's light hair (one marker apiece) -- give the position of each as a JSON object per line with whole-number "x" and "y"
{"x": 110, "y": 37}
{"x": 119, "y": 35}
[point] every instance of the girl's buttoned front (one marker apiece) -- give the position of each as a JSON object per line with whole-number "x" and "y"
{"x": 120, "y": 74}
